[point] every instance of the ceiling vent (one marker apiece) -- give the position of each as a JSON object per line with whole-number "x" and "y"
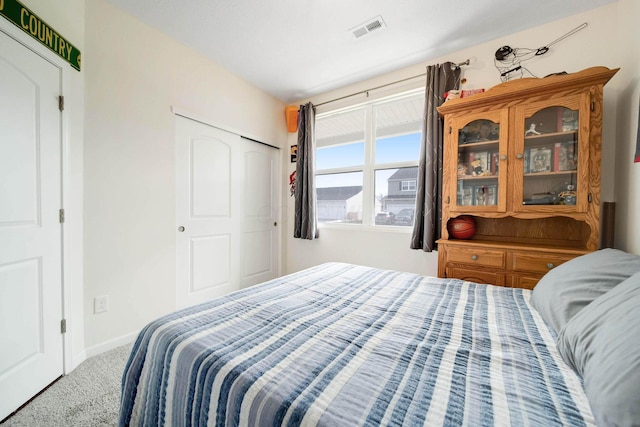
{"x": 368, "y": 27}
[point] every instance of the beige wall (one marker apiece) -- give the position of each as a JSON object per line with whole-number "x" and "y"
{"x": 627, "y": 173}
{"x": 134, "y": 75}
{"x": 595, "y": 45}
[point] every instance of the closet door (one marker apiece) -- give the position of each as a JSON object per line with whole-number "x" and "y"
{"x": 225, "y": 212}
{"x": 260, "y": 243}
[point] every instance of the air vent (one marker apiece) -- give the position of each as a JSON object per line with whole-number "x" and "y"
{"x": 371, "y": 25}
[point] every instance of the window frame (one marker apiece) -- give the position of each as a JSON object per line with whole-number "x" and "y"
{"x": 370, "y": 167}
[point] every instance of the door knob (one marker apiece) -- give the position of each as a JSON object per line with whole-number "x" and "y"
{"x": 181, "y": 229}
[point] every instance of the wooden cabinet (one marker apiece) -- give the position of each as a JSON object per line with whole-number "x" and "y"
{"x": 523, "y": 159}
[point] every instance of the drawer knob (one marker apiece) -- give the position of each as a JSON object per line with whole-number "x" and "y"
{"x": 474, "y": 257}
{"x": 550, "y": 266}
{"x": 519, "y": 156}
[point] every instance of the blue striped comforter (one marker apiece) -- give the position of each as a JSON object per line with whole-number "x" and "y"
{"x": 346, "y": 345}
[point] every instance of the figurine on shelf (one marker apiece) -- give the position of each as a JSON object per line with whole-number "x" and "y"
{"x": 532, "y": 130}
{"x": 568, "y": 197}
{"x": 476, "y": 167}
{"x": 462, "y": 169}
{"x": 452, "y": 94}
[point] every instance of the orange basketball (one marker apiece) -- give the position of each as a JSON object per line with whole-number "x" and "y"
{"x": 462, "y": 227}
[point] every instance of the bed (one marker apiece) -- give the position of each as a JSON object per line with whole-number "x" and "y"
{"x": 347, "y": 345}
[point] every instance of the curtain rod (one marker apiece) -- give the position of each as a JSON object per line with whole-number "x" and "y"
{"x": 454, "y": 66}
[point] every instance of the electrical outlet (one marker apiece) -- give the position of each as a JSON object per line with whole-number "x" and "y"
{"x": 100, "y": 304}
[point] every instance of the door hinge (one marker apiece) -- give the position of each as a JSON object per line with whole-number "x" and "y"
{"x": 61, "y": 214}
{"x": 61, "y": 103}
{"x": 590, "y": 198}
{"x": 63, "y": 326}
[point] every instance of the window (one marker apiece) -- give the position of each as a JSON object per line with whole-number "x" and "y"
{"x": 408, "y": 185}
{"x": 367, "y": 162}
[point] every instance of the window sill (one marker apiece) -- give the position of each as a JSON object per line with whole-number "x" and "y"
{"x": 368, "y": 228}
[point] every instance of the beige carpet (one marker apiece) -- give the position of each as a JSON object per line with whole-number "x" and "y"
{"x": 89, "y": 396}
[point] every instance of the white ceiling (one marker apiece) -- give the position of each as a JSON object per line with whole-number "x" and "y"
{"x": 295, "y": 49}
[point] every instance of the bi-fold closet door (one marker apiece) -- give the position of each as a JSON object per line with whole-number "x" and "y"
{"x": 226, "y": 212}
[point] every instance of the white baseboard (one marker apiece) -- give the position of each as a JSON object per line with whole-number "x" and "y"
{"x": 108, "y": 345}
{"x": 77, "y": 360}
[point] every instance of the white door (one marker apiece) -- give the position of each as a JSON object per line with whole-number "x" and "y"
{"x": 225, "y": 212}
{"x": 207, "y": 211}
{"x": 31, "y": 355}
{"x": 260, "y": 245}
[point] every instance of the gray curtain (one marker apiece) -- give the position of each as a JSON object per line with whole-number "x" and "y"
{"x": 305, "y": 222}
{"x": 428, "y": 216}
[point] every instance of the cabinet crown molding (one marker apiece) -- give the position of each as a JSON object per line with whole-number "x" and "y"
{"x": 517, "y": 89}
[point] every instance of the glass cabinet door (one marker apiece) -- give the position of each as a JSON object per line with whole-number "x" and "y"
{"x": 549, "y": 151}
{"x": 480, "y": 163}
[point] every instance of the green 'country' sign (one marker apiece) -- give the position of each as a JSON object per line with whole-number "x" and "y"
{"x": 31, "y": 24}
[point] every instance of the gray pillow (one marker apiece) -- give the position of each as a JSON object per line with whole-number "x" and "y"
{"x": 602, "y": 343}
{"x": 568, "y": 288}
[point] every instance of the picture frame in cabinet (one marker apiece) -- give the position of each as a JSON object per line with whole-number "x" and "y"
{"x": 465, "y": 196}
{"x": 568, "y": 120}
{"x": 485, "y": 195}
{"x": 540, "y": 160}
{"x": 494, "y": 165}
{"x": 565, "y": 156}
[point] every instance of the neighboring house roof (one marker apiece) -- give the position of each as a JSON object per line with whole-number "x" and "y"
{"x": 405, "y": 173}
{"x": 338, "y": 193}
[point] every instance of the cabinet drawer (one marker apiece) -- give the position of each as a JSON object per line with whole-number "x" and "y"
{"x": 541, "y": 263}
{"x": 528, "y": 281}
{"x": 475, "y": 275}
{"x": 482, "y": 257}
